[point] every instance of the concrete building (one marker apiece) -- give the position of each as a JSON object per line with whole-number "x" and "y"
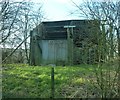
{"x": 59, "y": 42}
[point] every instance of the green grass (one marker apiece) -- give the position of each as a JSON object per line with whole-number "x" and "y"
{"x": 20, "y": 80}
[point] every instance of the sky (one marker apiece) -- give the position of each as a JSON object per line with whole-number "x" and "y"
{"x": 60, "y": 9}
{"x": 55, "y": 10}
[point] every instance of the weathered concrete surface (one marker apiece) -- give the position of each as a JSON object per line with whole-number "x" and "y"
{"x": 54, "y": 51}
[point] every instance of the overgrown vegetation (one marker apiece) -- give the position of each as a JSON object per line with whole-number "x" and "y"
{"x": 25, "y": 81}
{"x": 84, "y": 81}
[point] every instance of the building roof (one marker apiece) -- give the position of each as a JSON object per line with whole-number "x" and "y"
{"x": 55, "y": 29}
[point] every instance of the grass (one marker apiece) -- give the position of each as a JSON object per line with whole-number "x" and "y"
{"x": 20, "y": 80}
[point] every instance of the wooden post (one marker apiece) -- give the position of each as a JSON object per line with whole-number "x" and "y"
{"x": 69, "y": 47}
{"x": 70, "y": 43}
{"x": 52, "y": 82}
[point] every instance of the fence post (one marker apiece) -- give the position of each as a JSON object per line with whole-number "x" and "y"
{"x": 52, "y": 82}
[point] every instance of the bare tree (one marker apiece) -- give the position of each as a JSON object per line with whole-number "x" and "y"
{"x": 108, "y": 39}
{"x": 8, "y": 18}
{"x": 29, "y": 18}
{"x": 17, "y": 20}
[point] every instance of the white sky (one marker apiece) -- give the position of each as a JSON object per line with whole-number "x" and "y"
{"x": 58, "y": 9}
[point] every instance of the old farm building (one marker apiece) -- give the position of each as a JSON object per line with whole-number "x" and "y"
{"x": 63, "y": 42}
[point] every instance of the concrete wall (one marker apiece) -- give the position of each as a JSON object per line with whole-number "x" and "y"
{"x": 54, "y": 51}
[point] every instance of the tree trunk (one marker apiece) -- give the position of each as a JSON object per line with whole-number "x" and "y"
{"x": 25, "y": 35}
